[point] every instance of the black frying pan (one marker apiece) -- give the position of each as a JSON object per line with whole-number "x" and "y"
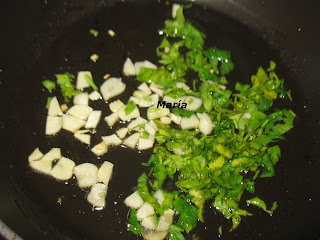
{"x": 41, "y": 38}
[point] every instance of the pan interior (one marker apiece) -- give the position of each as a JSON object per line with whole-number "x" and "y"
{"x": 34, "y": 197}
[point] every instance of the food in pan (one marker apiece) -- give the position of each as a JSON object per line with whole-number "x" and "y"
{"x": 213, "y": 141}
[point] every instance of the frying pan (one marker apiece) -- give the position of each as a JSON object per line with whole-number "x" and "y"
{"x": 42, "y": 37}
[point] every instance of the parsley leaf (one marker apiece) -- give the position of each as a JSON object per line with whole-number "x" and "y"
{"x": 65, "y": 83}
{"x": 188, "y": 214}
{"x": 217, "y": 56}
{"x": 259, "y": 203}
{"x": 94, "y": 32}
{"x": 129, "y": 108}
{"x": 134, "y": 225}
{"x": 50, "y": 85}
{"x": 175, "y": 233}
{"x": 182, "y": 113}
{"x": 159, "y": 75}
{"x": 143, "y": 191}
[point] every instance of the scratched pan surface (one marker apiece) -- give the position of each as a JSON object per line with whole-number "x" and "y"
{"x": 44, "y": 38}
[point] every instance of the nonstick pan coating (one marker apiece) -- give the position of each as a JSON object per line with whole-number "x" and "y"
{"x": 41, "y": 38}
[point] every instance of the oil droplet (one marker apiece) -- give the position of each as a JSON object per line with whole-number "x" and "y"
{"x": 97, "y": 208}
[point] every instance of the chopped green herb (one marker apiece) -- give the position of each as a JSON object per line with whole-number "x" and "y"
{"x": 129, "y": 108}
{"x": 175, "y": 233}
{"x": 274, "y": 206}
{"x": 259, "y": 203}
{"x": 50, "y": 85}
{"x": 134, "y": 225}
{"x": 145, "y": 194}
{"x": 147, "y": 99}
{"x": 65, "y": 83}
{"x": 212, "y": 168}
{"x": 153, "y": 110}
{"x": 145, "y": 134}
{"x": 182, "y": 113}
{"x": 194, "y": 85}
{"x": 188, "y": 214}
{"x": 48, "y": 102}
{"x": 94, "y": 32}
{"x": 90, "y": 81}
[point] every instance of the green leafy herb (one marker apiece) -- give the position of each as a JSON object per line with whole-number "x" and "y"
{"x": 153, "y": 110}
{"x": 182, "y": 113}
{"x": 48, "y": 102}
{"x": 65, "y": 83}
{"x": 216, "y": 56}
{"x": 175, "y": 233}
{"x": 50, "y": 85}
{"x": 214, "y": 97}
{"x": 259, "y": 203}
{"x": 90, "y": 81}
{"x": 145, "y": 134}
{"x": 134, "y": 225}
{"x": 129, "y": 108}
{"x": 242, "y": 148}
{"x": 159, "y": 75}
{"x": 145, "y": 194}
{"x": 94, "y": 32}
{"x": 274, "y": 206}
{"x": 188, "y": 214}
{"x": 147, "y": 99}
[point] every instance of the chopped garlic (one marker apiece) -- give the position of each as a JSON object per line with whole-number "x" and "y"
{"x": 94, "y": 57}
{"x": 93, "y": 119}
{"x": 132, "y": 140}
{"x": 105, "y": 172}
{"x": 116, "y": 105}
{"x": 35, "y": 155}
{"x": 63, "y": 170}
{"x": 81, "y": 99}
{"x": 95, "y": 95}
{"x": 111, "y": 33}
{"x": 82, "y": 82}
{"x": 128, "y": 68}
{"x": 97, "y": 195}
{"x": 134, "y": 200}
{"x": 86, "y": 174}
{"x": 80, "y": 111}
{"x": 111, "y": 119}
{"x": 64, "y": 107}
{"x": 72, "y": 123}
{"x": 54, "y": 108}
{"x": 111, "y": 88}
{"x": 105, "y": 77}
{"x": 112, "y": 140}
{"x": 85, "y": 138}
{"x": 100, "y": 149}
{"x": 53, "y": 125}
{"x": 122, "y": 132}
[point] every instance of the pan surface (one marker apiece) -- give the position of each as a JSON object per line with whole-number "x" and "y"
{"x": 44, "y": 38}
